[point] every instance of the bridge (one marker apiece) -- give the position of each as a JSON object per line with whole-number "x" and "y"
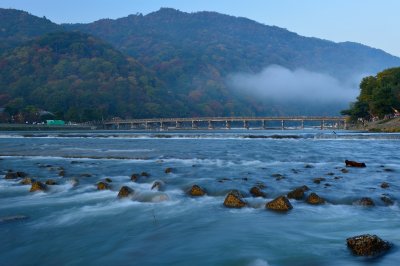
{"x": 293, "y": 122}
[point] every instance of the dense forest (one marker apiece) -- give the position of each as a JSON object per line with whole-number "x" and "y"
{"x": 379, "y": 96}
{"x": 80, "y": 78}
{"x": 166, "y": 63}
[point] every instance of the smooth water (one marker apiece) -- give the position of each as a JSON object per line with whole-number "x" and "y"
{"x": 79, "y": 225}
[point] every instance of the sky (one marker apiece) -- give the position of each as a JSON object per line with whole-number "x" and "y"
{"x": 370, "y": 22}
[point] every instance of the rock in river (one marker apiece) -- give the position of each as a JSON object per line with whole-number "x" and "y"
{"x": 297, "y": 193}
{"x": 103, "y": 186}
{"x": 365, "y": 202}
{"x": 38, "y": 186}
{"x": 27, "y": 181}
{"x": 367, "y": 245}
{"x": 234, "y": 200}
{"x": 354, "y": 164}
{"x": 256, "y": 192}
{"x": 314, "y": 199}
{"x": 125, "y": 192}
{"x": 196, "y": 191}
{"x": 280, "y": 203}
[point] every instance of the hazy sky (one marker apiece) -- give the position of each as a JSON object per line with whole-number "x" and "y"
{"x": 371, "y": 22}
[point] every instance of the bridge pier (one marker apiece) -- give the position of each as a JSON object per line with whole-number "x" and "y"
{"x": 194, "y": 124}
{"x": 245, "y": 124}
{"x": 283, "y": 124}
{"x": 263, "y": 124}
{"x": 302, "y": 124}
{"x": 210, "y": 125}
{"x": 322, "y": 124}
{"x": 228, "y": 124}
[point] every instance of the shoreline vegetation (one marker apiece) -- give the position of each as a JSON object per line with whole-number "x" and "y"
{"x": 385, "y": 126}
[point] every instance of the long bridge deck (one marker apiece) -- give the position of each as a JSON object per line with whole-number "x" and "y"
{"x": 227, "y": 122}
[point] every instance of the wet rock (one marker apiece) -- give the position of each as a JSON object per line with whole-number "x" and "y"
{"x": 388, "y": 201}
{"x": 260, "y": 185}
{"x": 168, "y": 170}
{"x": 384, "y": 185}
{"x": 61, "y": 173}
{"x": 51, "y": 182}
{"x": 256, "y": 192}
{"x": 15, "y": 175}
{"x": 245, "y": 179}
{"x": 318, "y": 180}
{"x": 38, "y": 186}
{"x": 108, "y": 180}
{"x": 85, "y": 175}
{"x": 278, "y": 176}
{"x": 13, "y": 218}
{"x": 196, "y": 191}
{"x": 234, "y": 200}
{"x": 354, "y": 164}
{"x": 365, "y": 202}
{"x": 158, "y": 185}
{"x": 344, "y": 171}
{"x": 224, "y": 179}
{"x": 280, "y": 203}
{"x": 388, "y": 170}
{"x": 314, "y": 199}
{"x": 103, "y": 186}
{"x": 337, "y": 177}
{"x": 308, "y": 166}
{"x": 330, "y": 173}
{"x": 74, "y": 182}
{"x": 27, "y": 181}
{"x": 367, "y": 245}
{"x": 145, "y": 174}
{"x": 134, "y": 177}
{"x": 327, "y": 185}
{"x": 125, "y": 192}
{"x": 297, "y": 193}
{"x": 295, "y": 171}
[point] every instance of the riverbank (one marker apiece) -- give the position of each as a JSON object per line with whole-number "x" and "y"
{"x": 38, "y": 127}
{"x": 386, "y": 125}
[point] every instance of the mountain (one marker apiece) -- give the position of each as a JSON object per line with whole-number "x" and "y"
{"x": 172, "y": 63}
{"x": 17, "y": 27}
{"x": 80, "y": 78}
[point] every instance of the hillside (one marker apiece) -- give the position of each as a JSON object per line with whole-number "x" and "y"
{"x": 17, "y": 27}
{"x": 79, "y": 78}
{"x": 172, "y": 63}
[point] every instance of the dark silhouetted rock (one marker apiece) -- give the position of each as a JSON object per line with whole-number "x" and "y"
{"x": 196, "y": 191}
{"x": 27, "y": 181}
{"x": 103, "y": 186}
{"x": 15, "y": 175}
{"x": 125, "y": 192}
{"x": 234, "y": 200}
{"x": 365, "y": 202}
{"x": 13, "y": 218}
{"x": 38, "y": 186}
{"x": 388, "y": 201}
{"x": 308, "y": 166}
{"x": 61, "y": 173}
{"x": 367, "y": 245}
{"x": 157, "y": 185}
{"x": 384, "y": 185}
{"x": 297, "y": 193}
{"x": 51, "y": 182}
{"x": 256, "y": 192}
{"x": 344, "y": 171}
{"x": 108, "y": 180}
{"x": 314, "y": 199}
{"x": 330, "y": 173}
{"x": 134, "y": 177}
{"x": 354, "y": 164}
{"x": 278, "y": 176}
{"x": 168, "y": 170}
{"x": 280, "y": 203}
{"x": 85, "y": 175}
{"x": 145, "y": 174}
{"x": 318, "y": 180}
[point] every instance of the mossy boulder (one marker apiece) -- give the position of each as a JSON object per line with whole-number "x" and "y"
{"x": 103, "y": 186}
{"x": 15, "y": 175}
{"x": 38, "y": 186}
{"x": 125, "y": 192}
{"x": 280, "y": 203}
{"x": 234, "y": 200}
{"x": 367, "y": 245}
{"x": 256, "y": 192}
{"x": 196, "y": 191}
{"x": 297, "y": 193}
{"x": 314, "y": 199}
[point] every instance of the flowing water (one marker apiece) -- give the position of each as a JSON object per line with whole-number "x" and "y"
{"x": 75, "y": 224}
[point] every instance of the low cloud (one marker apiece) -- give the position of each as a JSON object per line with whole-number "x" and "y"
{"x": 280, "y": 84}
